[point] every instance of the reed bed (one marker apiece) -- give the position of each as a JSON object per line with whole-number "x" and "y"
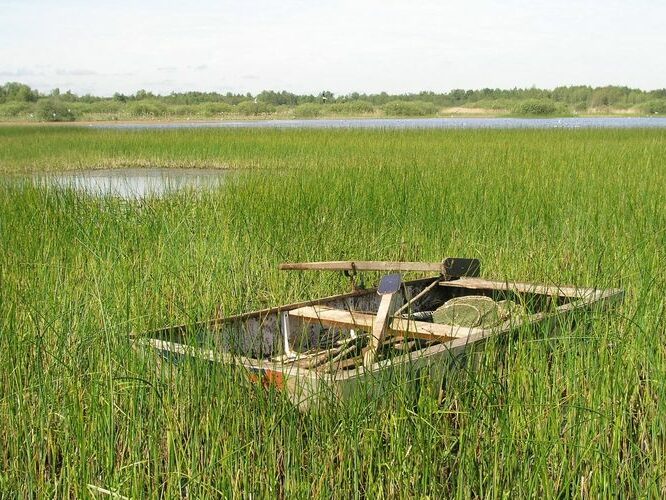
{"x": 580, "y": 413}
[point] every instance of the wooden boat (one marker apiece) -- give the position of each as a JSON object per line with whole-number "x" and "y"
{"x": 333, "y": 346}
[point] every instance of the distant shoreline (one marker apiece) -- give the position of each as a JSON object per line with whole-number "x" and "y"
{"x": 455, "y": 112}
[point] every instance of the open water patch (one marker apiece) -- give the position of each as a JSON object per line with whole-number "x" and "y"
{"x": 134, "y": 183}
{"x": 409, "y": 123}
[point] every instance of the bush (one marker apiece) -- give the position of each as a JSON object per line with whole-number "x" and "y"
{"x": 146, "y": 108}
{"x": 54, "y": 110}
{"x": 351, "y": 108}
{"x": 535, "y": 107}
{"x": 102, "y": 107}
{"x": 307, "y": 110}
{"x": 656, "y": 107}
{"x": 409, "y": 108}
{"x": 14, "y": 109}
{"x": 493, "y": 104}
{"x": 251, "y": 108}
{"x": 217, "y": 109}
{"x": 580, "y": 107}
{"x": 181, "y": 110}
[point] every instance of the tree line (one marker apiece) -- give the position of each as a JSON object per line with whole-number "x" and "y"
{"x": 18, "y": 99}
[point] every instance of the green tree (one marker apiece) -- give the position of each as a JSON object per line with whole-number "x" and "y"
{"x": 15, "y": 91}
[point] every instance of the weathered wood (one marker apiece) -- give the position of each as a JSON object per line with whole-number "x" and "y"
{"x": 430, "y": 331}
{"x": 338, "y": 358}
{"x": 510, "y": 286}
{"x": 396, "y": 326}
{"x": 379, "y": 328}
{"x": 370, "y": 265}
{"x": 334, "y": 317}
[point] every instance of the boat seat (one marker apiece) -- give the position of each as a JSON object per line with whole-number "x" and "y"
{"x": 334, "y": 317}
{"x": 327, "y": 316}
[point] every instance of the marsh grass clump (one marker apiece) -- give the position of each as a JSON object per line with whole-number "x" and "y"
{"x": 577, "y": 412}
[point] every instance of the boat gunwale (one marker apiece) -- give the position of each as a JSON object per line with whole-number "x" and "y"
{"x": 583, "y": 296}
{"x": 269, "y": 310}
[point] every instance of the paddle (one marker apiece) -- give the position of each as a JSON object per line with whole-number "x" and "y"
{"x": 387, "y": 289}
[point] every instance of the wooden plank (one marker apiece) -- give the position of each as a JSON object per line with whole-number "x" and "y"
{"x": 396, "y": 326}
{"x": 369, "y": 265}
{"x": 563, "y": 291}
{"x": 334, "y": 317}
{"x": 430, "y": 331}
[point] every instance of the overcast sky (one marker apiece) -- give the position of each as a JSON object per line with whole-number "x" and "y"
{"x": 101, "y": 47}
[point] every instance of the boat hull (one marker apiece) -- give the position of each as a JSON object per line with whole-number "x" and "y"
{"x": 262, "y": 342}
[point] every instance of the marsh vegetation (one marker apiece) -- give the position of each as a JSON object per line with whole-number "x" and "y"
{"x": 577, "y": 413}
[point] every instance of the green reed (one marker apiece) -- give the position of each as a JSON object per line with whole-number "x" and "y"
{"x": 577, "y": 413}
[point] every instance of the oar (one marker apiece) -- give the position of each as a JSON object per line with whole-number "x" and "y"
{"x": 387, "y": 289}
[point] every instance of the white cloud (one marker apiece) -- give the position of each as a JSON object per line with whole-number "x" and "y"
{"x": 339, "y": 45}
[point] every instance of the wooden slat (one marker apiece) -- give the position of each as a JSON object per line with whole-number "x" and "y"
{"x": 563, "y": 291}
{"x": 397, "y": 326}
{"x": 430, "y": 331}
{"x": 369, "y": 265}
{"x": 334, "y": 317}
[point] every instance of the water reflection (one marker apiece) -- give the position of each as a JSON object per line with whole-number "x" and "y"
{"x": 134, "y": 183}
{"x": 413, "y": 123}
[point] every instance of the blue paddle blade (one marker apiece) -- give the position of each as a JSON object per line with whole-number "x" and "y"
{"x": 389, "y": 284}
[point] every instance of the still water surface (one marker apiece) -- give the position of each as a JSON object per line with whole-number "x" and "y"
{"x": 412, "y": 123}
{"x": 134, "y": 183}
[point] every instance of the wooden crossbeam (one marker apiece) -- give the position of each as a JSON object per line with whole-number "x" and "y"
{"x": 369, "y": 265}
{"x": 397, "y": 326}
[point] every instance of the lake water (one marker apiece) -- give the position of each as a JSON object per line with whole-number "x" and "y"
{"x": 412, "y": 123}
{"x": 133, "y": 183}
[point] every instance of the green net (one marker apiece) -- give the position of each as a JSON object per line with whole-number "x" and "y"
{"x": 475, "y": 311}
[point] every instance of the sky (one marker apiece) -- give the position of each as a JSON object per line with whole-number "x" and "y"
{"x": 102, "y": 47}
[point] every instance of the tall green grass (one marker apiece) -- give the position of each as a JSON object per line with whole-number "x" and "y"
{"x": 578, "y": 413}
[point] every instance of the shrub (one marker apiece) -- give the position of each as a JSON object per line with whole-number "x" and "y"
{"x": 216, "y": 109}
{"x": 535, "y": 107}
{"x": 580, "y": 106}
{"x": 181, "y": 110}
{"x": 409, "y": 108}
{"x": 251, "y": 108}
{"x": 146, "y": 108}
{"x": 54, "y": 110}
{"x": 656, "y": 107}
{"x": 307, "y": 110}
{"x": 102, "y": 107}
{"x": 493, "y": 104}
{"x": 351, "y": 108}
{"x": 14, "y": 109}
